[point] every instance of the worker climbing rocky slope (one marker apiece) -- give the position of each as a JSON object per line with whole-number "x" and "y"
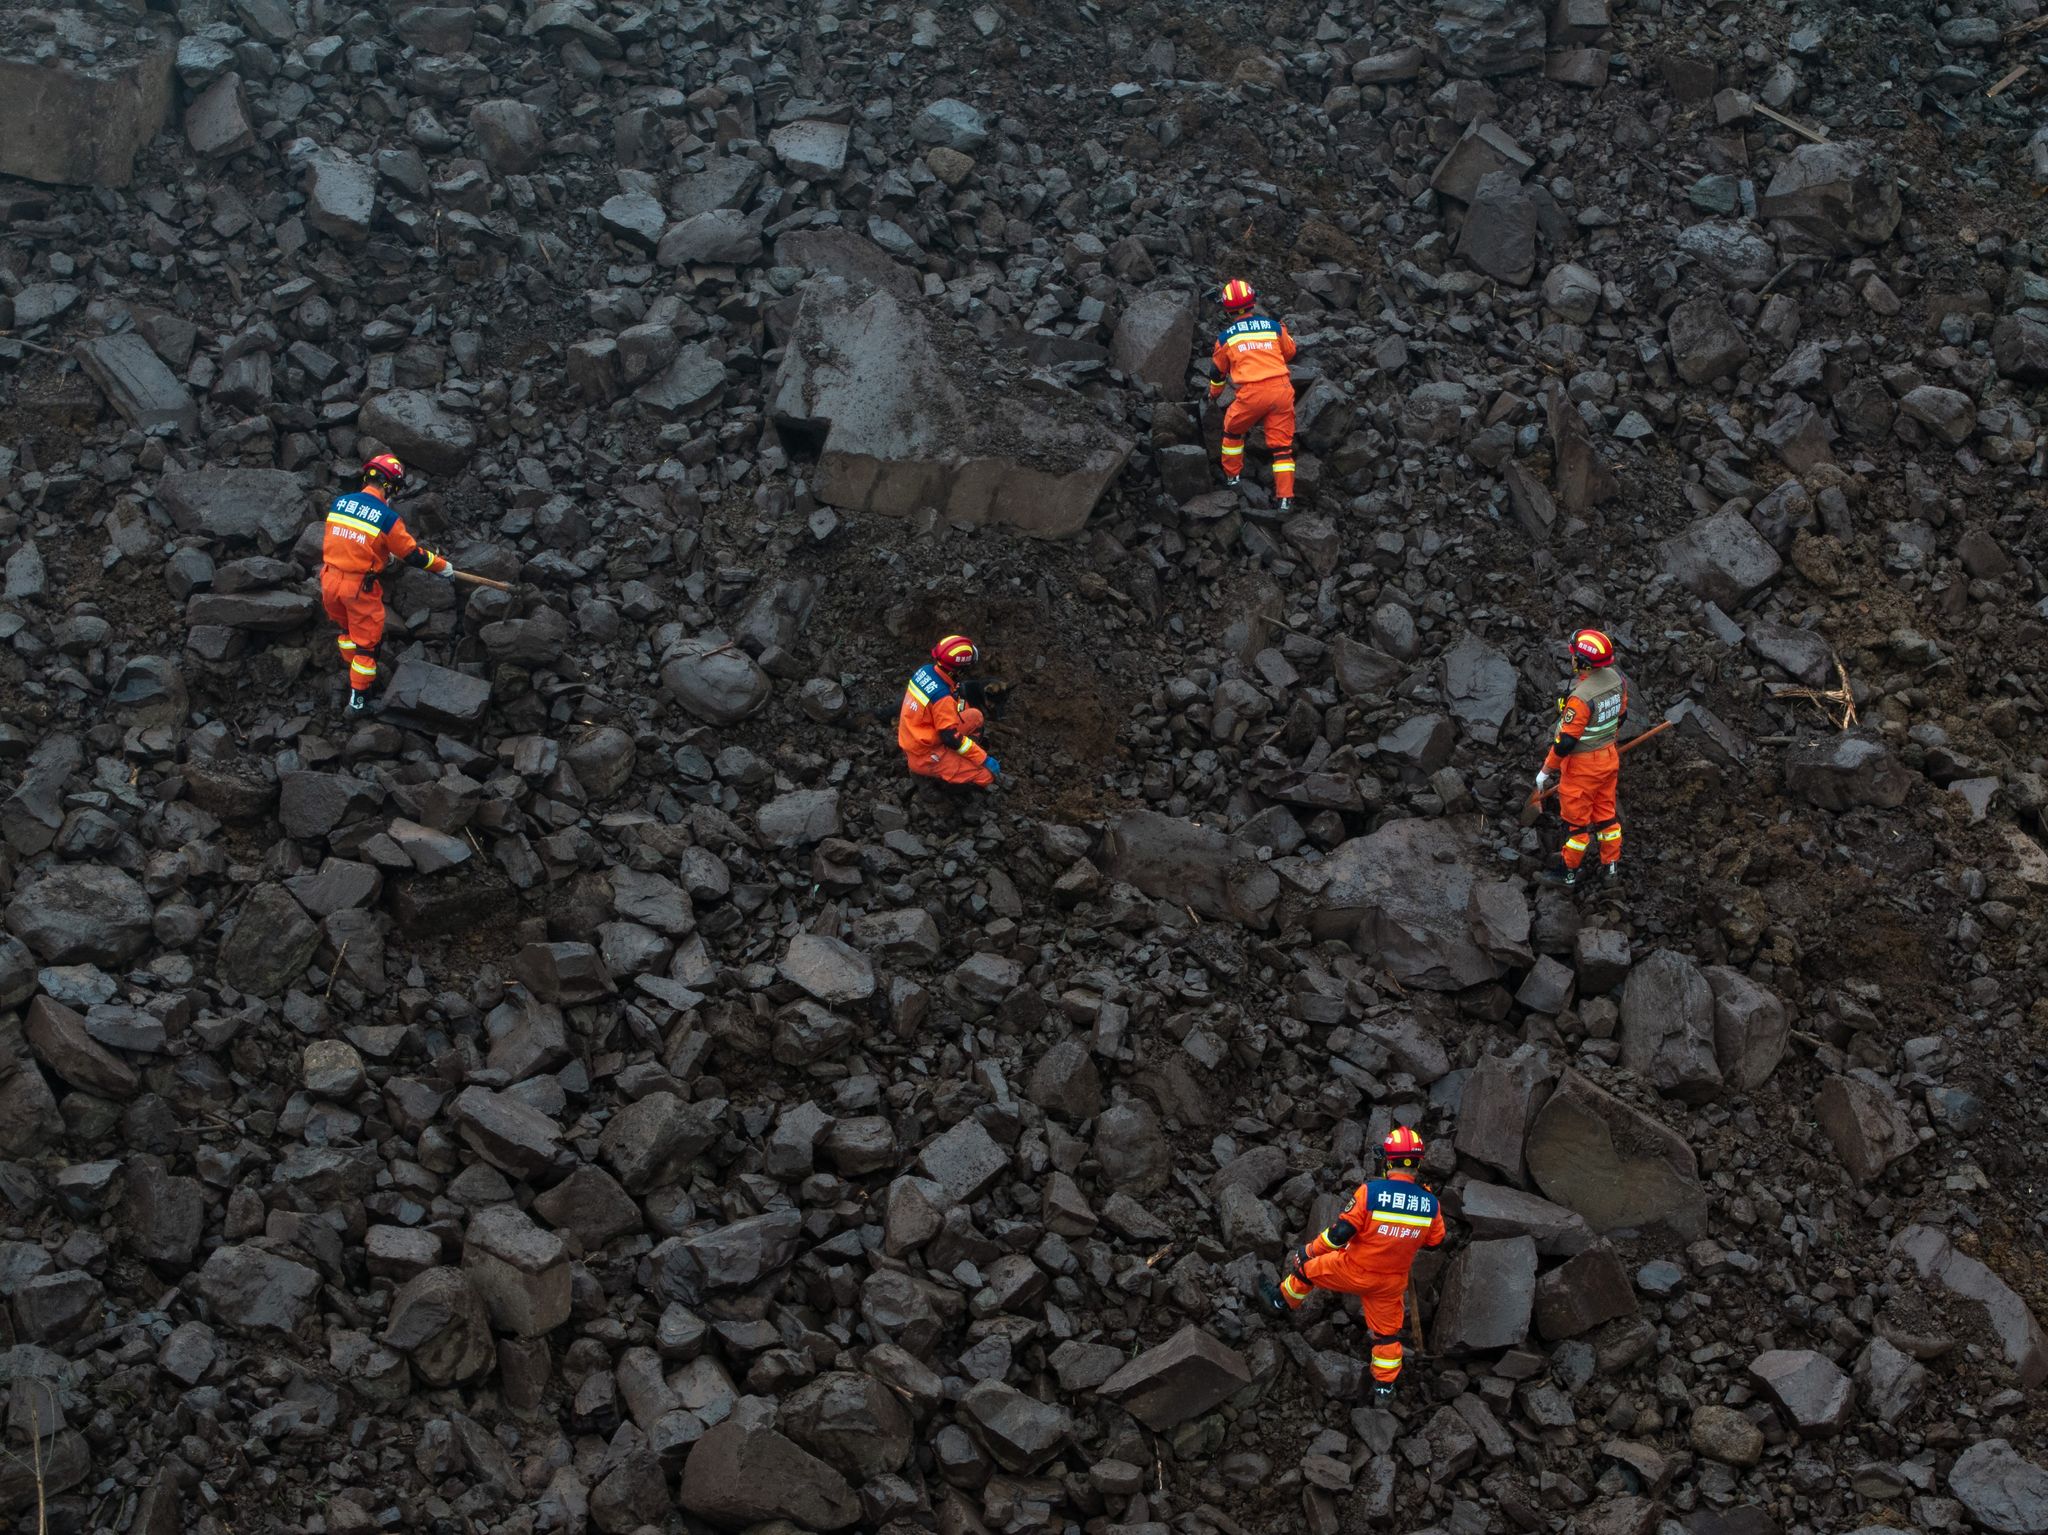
{"x": 597, "y": 1091}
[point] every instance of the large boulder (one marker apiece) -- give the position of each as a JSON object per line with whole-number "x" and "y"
{"x": 1412, "y": 896}
{"x": 1478, "y": 687}
{"x": 270, "y": 945}
{"x": 1720, "y": 559}
{"x": 1843, "y": 771}
{"x": 1835, "y": 197}
{"x": 249, "y": 1286}
{"x": 1021, "y": 1432}
{"x": 1483, "y": 38}
{"x": 902, "y": 416}
{"x": 1498, "y": 237}
{"x": 1152, "y": 340}
{"x": 2004, "y": 1491}
{"x": 1187, "y": 1375}
{"x": 1865, "y": 1124}
{"x": 2017, "y": 1331}
{"x": 81, "y": 913}
{"x": 1613, "y": 1164}
{"x": 138, "y": 384}
{"x": 1667, "y": 1027}
{"x": 1813, "y": 1392}
{"x": 437, "y": 696}
{"x": 420, "y": 430}
{"x": 850, "y": 1421}
{"x": 439, "y": 1322}
{"x": 2019, "y": 346}
{"x": 265, "y": 507}
{"x": 1191, "y": 864}
{"x": 1751, "y": 1028}
{"x": 1705, "y": 344}
{"x": 82, "y": 125}
{"x": 714, "y": 679}
{"x": 746, "y": 1474}
{"x": 1488, "y": 1293}
{"x": 1501, "y": 1096}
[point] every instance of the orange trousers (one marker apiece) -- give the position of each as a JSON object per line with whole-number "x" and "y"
{"x": 948, "y": 766}
{"x": 1586, "y": 785}
{"x": 360, "y": 614}
{"x": 1379, "y": 1302}
{"x": 1270, "y": 400}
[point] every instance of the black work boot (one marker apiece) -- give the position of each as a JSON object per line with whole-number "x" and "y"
{"x": 1285, "y": 505}
{"x": 1556, "y": 873}
{"x": 1271, "y": 1298}
{"x": 1610, "y": 874}
{"x": 1383, "y": 1393}
{"x": 358, "y": 702}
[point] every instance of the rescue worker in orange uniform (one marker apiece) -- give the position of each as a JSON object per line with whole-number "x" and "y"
{"x": 935, "y": 727}
{"x": 1584, "y": 762}
{"x": 1367, "y": 1252}
{"x": 363, "y": 536}
{"x": 1253, "y": 353}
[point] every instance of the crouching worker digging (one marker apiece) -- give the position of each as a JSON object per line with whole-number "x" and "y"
{"x": 1367, "y": 1252}
{"x": 936, "y": 725}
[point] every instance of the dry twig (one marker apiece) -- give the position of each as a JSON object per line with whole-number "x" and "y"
{"x": 1843, "y": 697}
{"x": 35, "y": 1450}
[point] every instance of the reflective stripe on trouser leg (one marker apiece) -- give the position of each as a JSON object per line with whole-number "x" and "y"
{"x": 1296, "y": 1289}
{"x": 1610, "y": 842}
{"x": 1575, "y": 846}
{"x": 1386, "y": 1360}
{"x": 1233, "y": 454}
{"x": 362, "y": 670}
{"x": 1283, "y": 477}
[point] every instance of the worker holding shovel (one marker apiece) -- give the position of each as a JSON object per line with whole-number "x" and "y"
{"x": 364, "y": 534}
{"x": 1583, "y": 761}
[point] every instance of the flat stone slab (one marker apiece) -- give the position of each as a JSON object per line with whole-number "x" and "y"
{"x": 906, "y": 412}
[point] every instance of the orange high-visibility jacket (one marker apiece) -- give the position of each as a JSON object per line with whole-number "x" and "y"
{"x": 1250, "y": 350}
{"x": 1389, "y": 1221}
{"x": 365, "y": 534}
{"x": 933, "y": 718}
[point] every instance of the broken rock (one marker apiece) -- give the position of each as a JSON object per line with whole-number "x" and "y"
{"x": 1837, "y": 195}
{"x": 1813, "y": 1392}
{"x": 1184, "y": 1377}
{"x": 1614, "y": 1165}
{"x": 1667, "y": 1027}
{"x": 898, "y": 423}
{"x": 740, "y": 1475}
{"x": 1488, "y": 1292}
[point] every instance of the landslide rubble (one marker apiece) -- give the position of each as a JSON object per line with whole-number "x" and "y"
{"x": 599, "y": 1093}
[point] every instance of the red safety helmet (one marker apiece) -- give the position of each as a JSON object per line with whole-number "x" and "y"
{"x": 1402, "y": 1146}
{"x": 1591, "y": 648}
{"x": 955, "y": 651}
{"x": 387, "y": 468}
{"x": 1238, "y": 295}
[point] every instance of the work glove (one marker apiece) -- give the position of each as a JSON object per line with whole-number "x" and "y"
{"x": 1544, "y": 781}
{"x": 993, "y": 766}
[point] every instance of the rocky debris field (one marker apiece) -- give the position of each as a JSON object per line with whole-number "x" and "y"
{"x": 598, "y": 1093}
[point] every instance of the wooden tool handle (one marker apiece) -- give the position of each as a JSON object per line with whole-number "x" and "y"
{"x": 469, "y": 580}
{"x": 1622, "y": 751}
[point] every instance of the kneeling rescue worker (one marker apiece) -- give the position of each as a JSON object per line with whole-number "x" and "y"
{"x": 1584, "y": 762}
{"x": 1368, "y": 1250}
{"x": 935, "y": 726}
{"x": 364, "y": 535}
{"x": 1253, "y": 353}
